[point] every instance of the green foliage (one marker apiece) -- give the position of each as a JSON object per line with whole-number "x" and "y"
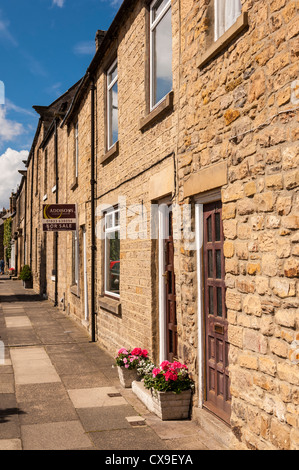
{"x": 169, "y": 377}
{"x": 7, "y": 236}
{"x": 25, "y": 274}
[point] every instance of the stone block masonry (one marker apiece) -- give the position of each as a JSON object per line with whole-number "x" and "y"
{"x": 228, "y": 132}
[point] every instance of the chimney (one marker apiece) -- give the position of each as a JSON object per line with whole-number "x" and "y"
{"x": 99, "y": 38}
{"x": 12, "y": 201}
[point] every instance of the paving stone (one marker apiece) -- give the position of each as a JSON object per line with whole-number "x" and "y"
{"x": 55, "y": 436}
{"x": 10, "y": 444}
{"x": 95, "y": 397}
{"x": 105, "y": 418}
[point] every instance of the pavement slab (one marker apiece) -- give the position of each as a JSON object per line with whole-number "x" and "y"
{"x": 68, "y": 435}
{"x": 60, "y": 391}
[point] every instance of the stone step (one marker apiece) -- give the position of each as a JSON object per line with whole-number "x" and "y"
{"x": 213, "y": 426}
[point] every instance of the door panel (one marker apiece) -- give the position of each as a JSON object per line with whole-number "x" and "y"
{"x": 171, "y": 319}
{"x": 217, "y": 398}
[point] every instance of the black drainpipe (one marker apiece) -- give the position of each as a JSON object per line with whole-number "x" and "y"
{"x": 93, "y": 234}
{"x": 56, "y": 193}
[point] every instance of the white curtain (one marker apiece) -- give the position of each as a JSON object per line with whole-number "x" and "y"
{"x": 226, "y": 14}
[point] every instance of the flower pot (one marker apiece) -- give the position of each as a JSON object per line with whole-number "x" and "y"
{"x": 127, "y": 376}
{"x": 28, "y": 284}
{"x": 171, "y": 406}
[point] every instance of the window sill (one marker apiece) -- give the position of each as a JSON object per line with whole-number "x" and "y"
{"x": 224, "y": 40}
{"x": 75, "y": 184}
{"x": 113, "y": 152}
{"x": 158, "y": 112}
{"x": 75, "y": 291}
{"x": 111, "y": 305}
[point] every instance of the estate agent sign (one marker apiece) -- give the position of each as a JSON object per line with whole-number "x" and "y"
{"x": 59, "y": 217}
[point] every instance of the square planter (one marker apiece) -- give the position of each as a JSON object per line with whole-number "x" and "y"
{"x": 166, "y": 405}
{"x": 28, "y": 284}
{"x": 171, "y": 406}
{"x": 126, "y": 376}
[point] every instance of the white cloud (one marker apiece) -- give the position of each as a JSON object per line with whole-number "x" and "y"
{"x": 10, "y": 162}
{"x": 8, "y": 129}
{"x": 59, "y": 3}
{"x": 85, "y": 48}
{"x": 5, "y": 33}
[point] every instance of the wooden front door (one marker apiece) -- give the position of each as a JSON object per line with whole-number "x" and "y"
{"x": 218, "y": 398}
{"x": 171, "y": 320}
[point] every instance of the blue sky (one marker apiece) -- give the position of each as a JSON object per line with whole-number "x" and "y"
{"x": 45, "y": 47}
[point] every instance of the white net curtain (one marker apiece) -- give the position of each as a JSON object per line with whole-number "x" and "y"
{"x": 226, "y": 14}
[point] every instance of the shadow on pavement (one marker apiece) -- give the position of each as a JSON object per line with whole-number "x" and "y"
{"x": 6, "y": 413}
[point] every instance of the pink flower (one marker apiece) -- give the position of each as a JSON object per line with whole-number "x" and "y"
{"x": 127, "y": 366}
{"x": 125, "y": 360}
{"x": 122, "y": 351}
{"x": 136, "y": 352}
{"x": 170, "y": 376}
{"x": 156, "y": 372}
{"x": 144, "y": 353}
{"x": 165, "y": 365}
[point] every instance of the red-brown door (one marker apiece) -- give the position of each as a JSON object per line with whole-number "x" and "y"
{"x": 218, "y": 398}
{"x": 171, "y": 319}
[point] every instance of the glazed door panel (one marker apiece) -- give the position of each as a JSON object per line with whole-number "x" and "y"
{"x": 217, "y": 397}
{"x": 171, "y": 318}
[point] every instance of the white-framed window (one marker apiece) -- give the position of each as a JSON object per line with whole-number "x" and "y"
{"x": 77, "y": 149}
{"x": 226, "y": 14}
{"x": 112, "y": 105}
{"x": 160, "y": 51}
{"x": 112, "y": 252}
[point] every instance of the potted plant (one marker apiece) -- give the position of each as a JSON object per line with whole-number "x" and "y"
{"x": 11, "y": 272}
{"x": 128, "y": 363}
{"x": 171, "y": 387}
{"x": 26, "y": 277}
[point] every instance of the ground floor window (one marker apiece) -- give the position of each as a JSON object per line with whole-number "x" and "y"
{"x": 112, "y": 252}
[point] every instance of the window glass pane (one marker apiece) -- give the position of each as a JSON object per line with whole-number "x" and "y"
{"x": 218, "y": 264}
{"x": 209, "y": 222}
{"x": 113, "y": 115}
{"x": 109, "y": 220}
{"x": 116, "y": 221}
{"x": 113, "y": 262}
{"x": 210, "y": 264}
{"x": 217, "y": 227}
{"x": 158, "y": 8}
{"x": 211, "y": 301}
{"x": 162, "y": 59}
{"x": 219, "y": 302}
{"x": 112, "y": 74}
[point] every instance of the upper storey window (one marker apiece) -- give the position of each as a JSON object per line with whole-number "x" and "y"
{"x": 112, "y": 105}
{"x": 161, "y": 51}
{"x": 226, "y": 14}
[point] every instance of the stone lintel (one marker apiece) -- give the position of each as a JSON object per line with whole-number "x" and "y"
{"x": 206, "y": 179}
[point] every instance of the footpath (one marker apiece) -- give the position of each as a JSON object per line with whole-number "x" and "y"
{"x": 59, "y": 391}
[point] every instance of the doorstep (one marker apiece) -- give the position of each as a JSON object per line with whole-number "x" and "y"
{"x": 220, "y": 431}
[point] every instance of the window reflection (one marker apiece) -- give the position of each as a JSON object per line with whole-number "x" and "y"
{"x": 161, "y": 53}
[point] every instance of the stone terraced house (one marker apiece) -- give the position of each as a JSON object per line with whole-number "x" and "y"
{"x": 180, "y": 148}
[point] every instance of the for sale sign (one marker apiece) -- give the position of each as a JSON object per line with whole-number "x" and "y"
{"x": 59, "y": 217}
